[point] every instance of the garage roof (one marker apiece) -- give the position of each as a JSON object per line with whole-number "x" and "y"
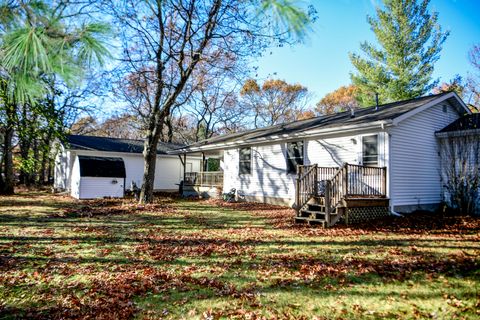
{"x": 80, "y": 142}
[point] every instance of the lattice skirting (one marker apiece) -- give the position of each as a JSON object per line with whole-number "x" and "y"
{"x": 361, "y": 214}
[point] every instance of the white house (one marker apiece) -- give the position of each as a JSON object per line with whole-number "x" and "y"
{"x": 91, "y": 167}
{"x": 391, "y": 150}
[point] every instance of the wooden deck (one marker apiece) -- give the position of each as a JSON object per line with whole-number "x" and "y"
{"x": 325, "y": 194}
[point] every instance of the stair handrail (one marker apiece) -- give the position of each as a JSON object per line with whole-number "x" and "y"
{"x": 336, "y": 189}
{"x": 306, "y": 185}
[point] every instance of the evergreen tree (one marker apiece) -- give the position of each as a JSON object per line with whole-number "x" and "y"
{"x": 410, "y": 41}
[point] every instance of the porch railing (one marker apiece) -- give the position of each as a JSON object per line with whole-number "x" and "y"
{"x": 204, "y": 179}
{"x": 335, "y": 184}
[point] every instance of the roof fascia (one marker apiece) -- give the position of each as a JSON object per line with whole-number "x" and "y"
{"x": 457, "y": 133}
{"x": 286, "y": 137}
{"x": 114, "y": 153}
{"x": 415, "y": 111}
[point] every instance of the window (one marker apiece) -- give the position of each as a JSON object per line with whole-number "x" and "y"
{"x": 370, "y": 150}
{"x": 294, "y": 156}
{"x": 245, "y": 161}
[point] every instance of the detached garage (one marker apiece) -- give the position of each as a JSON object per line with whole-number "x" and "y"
{"x": 91, "y": 167}
{"x": 98, "y": 177}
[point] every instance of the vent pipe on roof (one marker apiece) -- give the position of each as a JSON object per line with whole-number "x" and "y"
{"x": 352, "y": 112}
{"x": 376, "y": 101}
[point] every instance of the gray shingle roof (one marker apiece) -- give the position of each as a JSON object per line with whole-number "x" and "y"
{"x": 467, "y": 122}
{"x": 79, "y": 142}
{"x": 384, "y": 112}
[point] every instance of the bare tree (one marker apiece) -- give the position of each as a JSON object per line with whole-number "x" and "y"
{"x": 472, "y": 93}
{"x": 164, "y": 42}
{"x": 460, "y": 154}
{"x": 274, "y": 102}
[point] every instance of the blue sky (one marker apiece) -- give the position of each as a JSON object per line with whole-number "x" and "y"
{"x": 322, "y": 63}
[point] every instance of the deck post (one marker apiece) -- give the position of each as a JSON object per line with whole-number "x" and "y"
{"x": 315, "y": 180}
{"x": 184, "y": 162}
{"x": 297, "y": 190}
{"x": 328, "y": 185}
{"x": 345, "y": 179}
{"x": 203, "y": 162}
{"x": 384, "y": 181}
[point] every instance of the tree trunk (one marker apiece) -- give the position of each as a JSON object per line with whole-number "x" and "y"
{"x": 43, "y": 167}
{"x": 168, "y": 122}
{"x": 150, "y": 160}
{"x": 7, "y": 187}
{"x": 33, "y": 176}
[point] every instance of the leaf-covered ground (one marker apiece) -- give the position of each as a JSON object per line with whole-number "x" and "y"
{"x": 109, "y": 259}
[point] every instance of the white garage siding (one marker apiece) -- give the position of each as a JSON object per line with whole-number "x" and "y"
{"x": 92, "y": 187}
{"x": 63, "y": 169}
{"x": 168, "y": 170}
{"x": 269, "y": 179}
{"x": 75, "y": 180}
{"x": 415, "y": 162}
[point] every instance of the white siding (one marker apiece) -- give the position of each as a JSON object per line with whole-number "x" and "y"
{"x": 75, "y": 179}
{"x": 61, "y": 169}
{"x": 415, "y": 163}
{"x": 168, "y": 173}
{"x": 133, "y": 170}
{"x": 100, "y": 187}
{"x": 332, "y": 152}
{"x": 168, "y": 170}
{"x": 269, "y": 177}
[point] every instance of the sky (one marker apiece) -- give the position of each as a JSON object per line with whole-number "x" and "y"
{"x": 322, "y": 63}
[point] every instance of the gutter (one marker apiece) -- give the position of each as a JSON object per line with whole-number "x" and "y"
{"x": 457, "y": 133}
{"x": 284, "y": 137}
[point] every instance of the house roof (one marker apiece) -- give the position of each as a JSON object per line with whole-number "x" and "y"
{"x": 467, "y": 122}
{"x": 101, "y": 167}
{"x": 93, "y": 143}
{"x": 362, "y": 117}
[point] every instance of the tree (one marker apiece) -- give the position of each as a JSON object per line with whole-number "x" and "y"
{"x": 473, "y": 81}
{"x": 460, "y": 156}
{"x": 456, "y": 85}
{"x": 343, "y": 98}
{"x": 165, "y": 41}
{"x": 40, "y": 47}
{"x": 213, "y": 99}
{"x": 274, "y": 102}
{"x": 410, "y": 41}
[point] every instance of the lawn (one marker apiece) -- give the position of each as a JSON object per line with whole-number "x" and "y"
{"x": 109, "y": 259}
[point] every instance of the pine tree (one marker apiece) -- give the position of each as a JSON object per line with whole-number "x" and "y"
{"x": 410, "y": 41}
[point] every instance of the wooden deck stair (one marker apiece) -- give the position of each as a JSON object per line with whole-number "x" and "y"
{"x": 350, "y": 186}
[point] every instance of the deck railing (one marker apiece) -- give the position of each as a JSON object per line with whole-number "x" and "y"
{"x": 306, "y": 184}
{"x": 204, "y": 179}
{"x": 366, "y": 181}
{"x": 335, "y": 184}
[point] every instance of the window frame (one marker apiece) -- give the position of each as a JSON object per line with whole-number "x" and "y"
{"x": 377, "y": 162}
{"x": 243, "y": 161}
{"x": 288, "y": 158}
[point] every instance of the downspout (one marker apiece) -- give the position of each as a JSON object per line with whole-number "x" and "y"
{"x": 389, "y": 175}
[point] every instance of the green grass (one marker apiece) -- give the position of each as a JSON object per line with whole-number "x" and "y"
{"x": 61, "y": 258}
